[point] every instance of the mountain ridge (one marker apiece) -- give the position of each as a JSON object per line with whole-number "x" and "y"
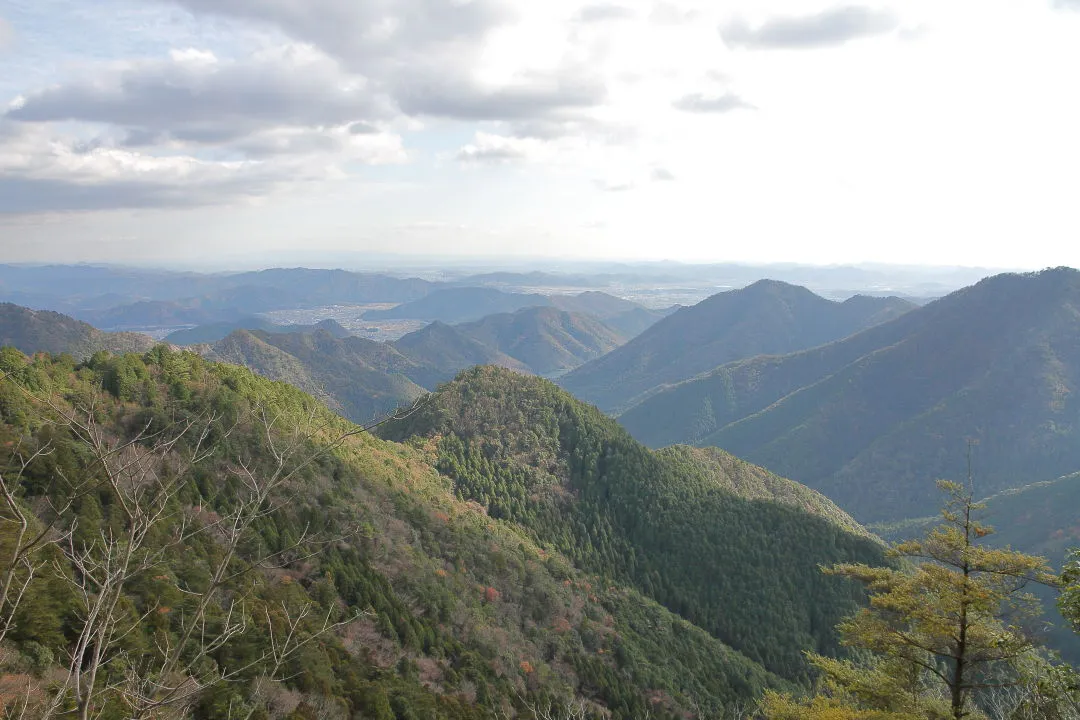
{"x": 767, "y": 317}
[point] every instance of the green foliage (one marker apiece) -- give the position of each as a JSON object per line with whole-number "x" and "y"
{"x": 943, "y": 634}
{"x": 462, "y": 616}
{"x": 744, "y": 570}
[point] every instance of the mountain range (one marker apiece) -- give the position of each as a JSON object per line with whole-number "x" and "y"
{"x": 765, "y": 318}
{"x": 874, "y": 419}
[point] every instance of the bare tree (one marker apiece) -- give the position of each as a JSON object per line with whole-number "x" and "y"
{"x": 144, "y": 475}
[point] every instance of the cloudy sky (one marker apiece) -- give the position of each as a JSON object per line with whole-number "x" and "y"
{"x": 923, "y": 131}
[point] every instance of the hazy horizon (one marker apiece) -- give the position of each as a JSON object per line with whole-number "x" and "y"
{"x": 165, "y": 131}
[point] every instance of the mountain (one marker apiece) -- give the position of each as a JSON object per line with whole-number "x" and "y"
{"x": 594, "y": 302}
{"x": 385, "y": 594}
{"x": 34, "y": 331}
{"x": 360, "y": 378}
{"x": 450, "y": 350}
{"x": 539, "y": 340}
{"x": 457, "y": 305}
{"x": 216, "y": 331}
{"x": 544, "y": 339}
{"x": 470, "y": 304}
{"x": 632, "y": 323}
{"x": 723, "y": 545}
{"x": 765, "y": 318}
{"x": 874, "y": 419}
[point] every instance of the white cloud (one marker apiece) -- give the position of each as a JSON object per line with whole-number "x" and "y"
{"x": 871, "y": 142}
{"x": 828, "y": 28}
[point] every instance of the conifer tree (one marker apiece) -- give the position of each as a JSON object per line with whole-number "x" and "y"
{"x": 946, "y": 621}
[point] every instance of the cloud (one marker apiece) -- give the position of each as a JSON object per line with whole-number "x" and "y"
{"x": 603, "y": 12}
{"x": 425, "y": 56}
{"x": 661, "y": 175}
{"x": 374, "y": 32}
{"x": 535, "y": 96}
{"x": 666, "y": 13}
{"x": 702, "y": 103}
{"x": 493, "y": 149}
{"x": 43, "y": 170}
{"x": 829, "y": 28}
{"x": 193, "y": 97}
{"x": 1067, "y": 4}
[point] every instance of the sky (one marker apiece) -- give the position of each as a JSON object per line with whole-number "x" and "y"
{"x": 922, "y": 131}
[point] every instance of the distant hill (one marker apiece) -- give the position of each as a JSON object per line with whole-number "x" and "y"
{"x": 457, "y": 305}
{"x": 768, "y": 317}
{"x": 216, "y": 331}
{"x": 449, "y": 350}
{"x": 360, "y": 378}
{"x": 33, "y": 331}
{"x": 727, "y": 546}
{"x": 539, "y": 340}
{"x": 873, "y": 420}
{"x": 594, "y": 302}
{"x": 208, "y": 299}
{"x": 546, "y": 340}
{"x": 469, "y": 304}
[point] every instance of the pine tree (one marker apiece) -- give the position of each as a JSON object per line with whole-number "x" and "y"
{"x": 945, "y": 621}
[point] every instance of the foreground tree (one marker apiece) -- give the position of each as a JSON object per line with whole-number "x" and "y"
{"x": 945, "y": 628}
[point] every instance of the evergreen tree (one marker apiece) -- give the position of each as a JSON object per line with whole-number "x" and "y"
{"x": 948, "y": 625}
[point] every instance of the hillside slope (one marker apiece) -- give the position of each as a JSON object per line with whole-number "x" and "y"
{"x": 34, "y": 331}
{"x": 447, "y": 613}
{"x": 765, "y": 318}
{"x": 746, "y": 570}
{"x": 873, "y": 420}
{"x": 360, "y": 378}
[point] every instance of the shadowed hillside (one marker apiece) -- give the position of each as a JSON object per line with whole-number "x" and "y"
{"x": 768, "y": 317}
{"x": 43, "y": 331}
{"x": 873, "y": 420}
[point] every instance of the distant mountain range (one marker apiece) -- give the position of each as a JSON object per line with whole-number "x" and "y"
{"x": 362, "y": 378}
{"x": 468, "y": 304}
{"x": 34, "y": 331}
{"x": 766, "y": 318}
{"x": 874, "y": 419}
{"x": 213, "y": 332}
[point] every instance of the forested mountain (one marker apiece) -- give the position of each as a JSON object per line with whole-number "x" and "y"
{"x": 450, "y": 350}
{"x": 327, "y": 574}
{"x": 768, "y": 317}
{"x": 43, "y": 331}
{"x": 360, "y": 378}
{"x": 216, "y": 331}
{"x": 873, "y": 420}
{"x": 677, "y": 529}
